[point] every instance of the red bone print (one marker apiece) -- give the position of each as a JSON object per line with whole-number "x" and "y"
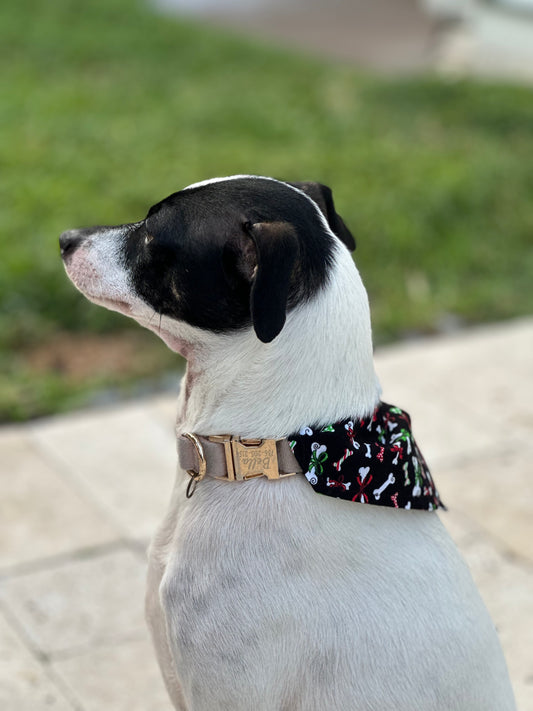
{"x": 338, "y": 484}
{"x": 362, "y": 486}
{"x": 399, "y": 452}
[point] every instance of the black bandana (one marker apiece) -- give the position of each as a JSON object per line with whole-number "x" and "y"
{"x": 372, "y": 461}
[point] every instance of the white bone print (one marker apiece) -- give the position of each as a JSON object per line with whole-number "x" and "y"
{"x": 377, "y": 492}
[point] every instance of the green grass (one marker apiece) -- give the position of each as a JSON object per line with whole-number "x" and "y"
{"x": 106, "y": 108}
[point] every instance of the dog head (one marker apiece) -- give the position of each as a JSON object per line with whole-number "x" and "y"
{"x": 220, "y": 256}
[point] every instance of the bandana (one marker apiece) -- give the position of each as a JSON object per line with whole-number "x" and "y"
{"x": 371, "y": 461}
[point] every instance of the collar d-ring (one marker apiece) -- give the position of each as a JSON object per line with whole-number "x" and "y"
{"x": 202, "y": 464}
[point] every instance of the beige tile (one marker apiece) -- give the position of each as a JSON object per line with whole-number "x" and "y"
{"x": 438, "y": 360}
{"x": 42, "y": 513}
{"x": 523, "y": 691}
{"x": 125, "y": 459}
{"x": 507, "y": 589}
{"x": 480, "y": 366}
{"x": 79, "y": 603}
{"x": 444, "y": 434}
{"x": 164, "y": 408}
{"x": 495, "y": 492}
{"x": 24, "y": 683}
{"x": 463, "y": 392}
{"x": 118, "y": 677}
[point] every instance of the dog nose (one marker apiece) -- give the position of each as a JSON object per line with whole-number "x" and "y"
{"x": 69, "y": 241}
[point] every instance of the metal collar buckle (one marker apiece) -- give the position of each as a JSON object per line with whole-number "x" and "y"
{"x": 245, "y": 459}
{"x": 249, "y": 458}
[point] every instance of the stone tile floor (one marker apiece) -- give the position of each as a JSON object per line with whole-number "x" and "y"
{"x": 82, "y": 494}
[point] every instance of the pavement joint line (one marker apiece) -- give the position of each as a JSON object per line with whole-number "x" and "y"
{"x": 139, "y": 547}
{"x": 19, "y": 630}
{"x": 107, "y": 408}
{"x": 47, "y": 658}
{"x": 68, "y": 692}
{"x": 19, "y": 570}
{"x": 81, "y": 650}
{"x": 42, "y": 659}
{"x": 460, "y": 335}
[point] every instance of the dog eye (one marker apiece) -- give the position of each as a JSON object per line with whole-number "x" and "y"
{"x": 148, "y": 239}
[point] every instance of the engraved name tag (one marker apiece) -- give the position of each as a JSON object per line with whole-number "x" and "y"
{"x": 252, "y": 460}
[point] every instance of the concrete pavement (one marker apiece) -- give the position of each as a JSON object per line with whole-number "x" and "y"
{"x": 81, "y": 495}
{"x": 393, "y": 37}
{"x": 390, "y": 36}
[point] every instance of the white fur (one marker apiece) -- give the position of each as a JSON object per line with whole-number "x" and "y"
{"x": 273, "y": 597}
{"x": 267, "y": 596}
{"x": 95, "y": 270}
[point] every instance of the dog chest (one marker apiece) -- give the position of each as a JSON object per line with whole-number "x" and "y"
{"x": 250, "y": 590}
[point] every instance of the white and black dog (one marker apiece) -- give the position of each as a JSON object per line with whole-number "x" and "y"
{"x": 263, "y": 595}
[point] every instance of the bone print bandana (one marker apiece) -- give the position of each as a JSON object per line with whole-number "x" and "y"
{"x": 372, "y": 461}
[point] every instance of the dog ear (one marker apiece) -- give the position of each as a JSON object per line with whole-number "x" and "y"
{"x": 323, "y": 197}
{"x": 276, "y": 247}
{"x": 263, "y": 257}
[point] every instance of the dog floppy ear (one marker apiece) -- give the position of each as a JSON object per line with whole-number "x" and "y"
{"x": 323, "y": 197}
{"x": 262, "y": 259}
{"x": 276, "y": 248}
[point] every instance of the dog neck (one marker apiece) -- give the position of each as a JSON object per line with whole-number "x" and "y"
{"x": 318, "y": 370}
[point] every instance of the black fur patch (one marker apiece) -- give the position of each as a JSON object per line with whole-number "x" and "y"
{"x": 196, "y": 256}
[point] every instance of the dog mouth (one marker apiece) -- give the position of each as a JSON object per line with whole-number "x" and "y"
{"x": 88, "y": 280}
{"x": 100, "y": 299}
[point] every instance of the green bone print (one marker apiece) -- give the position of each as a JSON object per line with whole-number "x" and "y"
{"x": 404, "y": 436}
{"x": 317, "y": 461}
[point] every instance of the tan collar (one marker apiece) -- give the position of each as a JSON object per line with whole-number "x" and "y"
{"x": 231, "y": 458}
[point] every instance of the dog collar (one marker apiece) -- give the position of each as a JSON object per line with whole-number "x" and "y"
{"x": 374, "y": 460}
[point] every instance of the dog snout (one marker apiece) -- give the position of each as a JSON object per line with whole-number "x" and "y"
{"x": 69, "y": 241}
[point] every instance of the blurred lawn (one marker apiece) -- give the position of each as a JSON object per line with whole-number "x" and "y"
{"x": 106, "y": 108}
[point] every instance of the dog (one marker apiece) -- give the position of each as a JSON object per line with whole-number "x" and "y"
{"x": 263, "y": 594}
